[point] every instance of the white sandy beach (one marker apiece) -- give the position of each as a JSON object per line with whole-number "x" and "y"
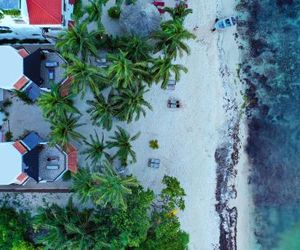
{"x": 188, "y": 137}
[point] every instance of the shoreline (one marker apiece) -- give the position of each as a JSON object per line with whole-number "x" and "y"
{"x": 233, "y": 193}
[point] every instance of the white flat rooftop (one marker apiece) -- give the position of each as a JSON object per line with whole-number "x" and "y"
{"x": 11, "y": 67}
{"x": 10, "y": 163}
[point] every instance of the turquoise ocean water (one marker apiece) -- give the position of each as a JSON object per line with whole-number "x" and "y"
{"x": 272, "y": 69}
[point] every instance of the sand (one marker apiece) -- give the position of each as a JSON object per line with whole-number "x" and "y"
{"x": 188, "y": 137}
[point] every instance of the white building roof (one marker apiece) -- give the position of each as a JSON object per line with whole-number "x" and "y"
{"x": 11, "y": 67}
{"x": 10, "y": 163}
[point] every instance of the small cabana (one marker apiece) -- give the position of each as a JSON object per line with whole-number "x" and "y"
{"x": 140, "y": 19}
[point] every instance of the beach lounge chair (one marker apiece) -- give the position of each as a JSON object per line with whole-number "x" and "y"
{"x": 51, "y": 74}
{"x": 171, "y": 84}
{"x": 153, "y": 163}
{"x": 173, "y": 103}
{"x": 52, "y": 167}
{"x": 51, "y": 64}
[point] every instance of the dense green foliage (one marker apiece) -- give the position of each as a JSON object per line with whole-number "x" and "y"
{"x": 106, "y": 188}
{"x": 129, "y": 225}
{"x": 114, "y": 12}
{"x": 15, "y": 229}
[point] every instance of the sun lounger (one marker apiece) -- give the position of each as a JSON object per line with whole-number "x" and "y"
{"x": 51, "y": 64}
{"x": 52, "y": 167}
{"x": 171, "y": 84}
{"x": 153, "y": 163}
{"x": 51, "y": 74}
{"x": 173, "y": 103}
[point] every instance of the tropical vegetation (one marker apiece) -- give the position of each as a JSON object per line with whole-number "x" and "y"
{"x": 96, "y": 149}
{"x": 116, "y": 212}
{"x": 122, "y": 140}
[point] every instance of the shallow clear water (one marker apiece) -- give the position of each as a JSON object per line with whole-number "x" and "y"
{"x": 273, "y": 31}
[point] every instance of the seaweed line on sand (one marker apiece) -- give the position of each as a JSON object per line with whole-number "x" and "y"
{"x": 227, "y": 157}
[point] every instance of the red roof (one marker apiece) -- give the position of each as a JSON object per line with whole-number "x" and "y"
{"x": 21, "y": 83}
{"x": 22, "y": 178}
{"x": 72, "y": 158}
{"x": 19, "y": 146}
{"x": 23, "y": 52}
{"x": 44, "y": 12}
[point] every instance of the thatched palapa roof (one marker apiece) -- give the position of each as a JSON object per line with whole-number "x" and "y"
{"x": 140, "y": 19}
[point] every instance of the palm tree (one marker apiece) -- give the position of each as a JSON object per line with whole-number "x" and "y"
{"x": 54, "y": 105}
{"x": 180, "y": 12}
{"x": 63, "y": 130}
{"x": 83, "y": 184}
{"x": 137, "y": 48}
{"x": 66, "y": 228}
{"x": 78, "y": 40}
{"x": 84, "y": 75}
{"x": 171, "y": 38}
{"x": 101, "y": 111}
{"x": 111, "y": 188}
{"x": 163, "y": 69}
{"x": 130, "y": 103}
{"x": 95, "y": 149}
{"x": 122, "y": 141}
{"x": 123, "y": 72}
{"x": 94, "y": 10}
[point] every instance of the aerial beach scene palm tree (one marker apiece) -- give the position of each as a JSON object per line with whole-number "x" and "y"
{"x": 149, "y": 125}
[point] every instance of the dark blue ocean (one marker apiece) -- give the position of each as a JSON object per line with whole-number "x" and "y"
{"x": 272, "y": 69}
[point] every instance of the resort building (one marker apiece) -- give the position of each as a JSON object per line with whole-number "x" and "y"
{"x": 30, "y": 72}
{"x": 51, "y": 13}
{"x": 34, "y": 21}
{"x": 33, "y": 158}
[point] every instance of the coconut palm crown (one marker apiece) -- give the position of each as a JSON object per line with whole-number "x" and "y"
{"x": 85, "y": 75}
{"x": 54, "y": 105}
{"x": 172, "y": 37}
{"x": 129, "y": 103}
{"x": 101, "y": 111}
{"x": 122, "y": 72}
{"x": 95, "y": 150}
{"x": 163, "y": 69}
{"x": 122, "y": 141}
{"x": 63, "y": 130}
{"x": 78, "y": 40}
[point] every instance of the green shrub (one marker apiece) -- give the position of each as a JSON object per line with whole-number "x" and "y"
{"x": 67, "y": 176}
{"x": 114, "y": 12}
{"x": 128, "y": 2}
{"x": 7, "y": 103}
{"x": 154, "y": 144}
{"x": 15, "y": 230}
{"x": 8, "y": 136}
{"x": 1, "y": 15}
{"x": 23, "y": 97}
{"x": 12, "y": 12}
{"x": 77, "y": 12}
